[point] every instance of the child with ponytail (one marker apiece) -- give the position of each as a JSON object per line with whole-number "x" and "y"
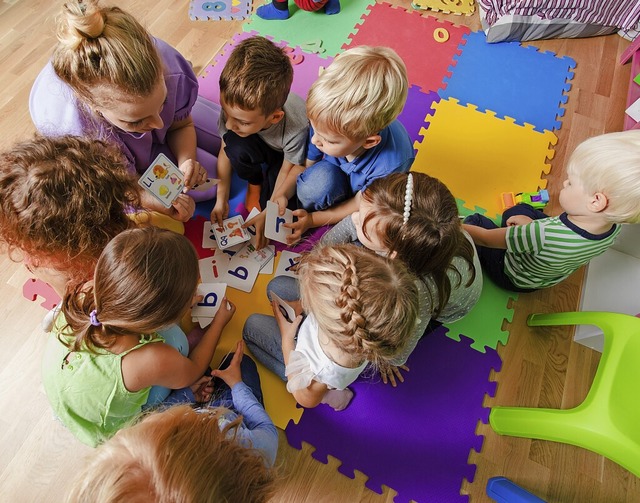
{"x": 413, "y": 217}
{"x": 359, "y": 308}
{"x": 104, "y": 353}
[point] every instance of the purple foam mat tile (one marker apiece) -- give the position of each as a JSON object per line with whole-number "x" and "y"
{"x": 415, "y": 110}
{"x": 306, "y": 67}
{"x": 414, "y": 438}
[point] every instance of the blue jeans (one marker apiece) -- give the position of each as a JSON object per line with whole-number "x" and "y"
{"x": 261, "y": 332}
{"x": 175, "y": 337}
{"x": 322, "y": 186}
{"x": 492, "y": 259}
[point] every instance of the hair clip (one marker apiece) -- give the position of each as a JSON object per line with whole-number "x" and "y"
{"x": 93, "y": 318}
{"x": 408, "y": 197}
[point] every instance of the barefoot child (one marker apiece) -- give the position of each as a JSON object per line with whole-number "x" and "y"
{"x": 104, "y": 355}
{"x": 360, "y": 308}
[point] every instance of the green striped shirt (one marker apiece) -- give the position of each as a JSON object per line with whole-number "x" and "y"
{"x": 546, "y": 251}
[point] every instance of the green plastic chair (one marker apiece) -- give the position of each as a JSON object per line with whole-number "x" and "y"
{"x": 608, "y": 421}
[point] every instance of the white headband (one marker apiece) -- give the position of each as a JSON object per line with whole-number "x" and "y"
{"x": 408, "y": 197}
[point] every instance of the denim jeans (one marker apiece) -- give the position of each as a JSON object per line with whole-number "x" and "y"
{"x": 174, "y": 337}
{"x": 261, "y": 332}
{"x": 322, "y": 186}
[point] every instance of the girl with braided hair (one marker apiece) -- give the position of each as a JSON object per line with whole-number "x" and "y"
{"x": 413, "y": 217}
{"x": 353, "y": 308}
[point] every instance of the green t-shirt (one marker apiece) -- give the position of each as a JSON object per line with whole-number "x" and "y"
{"x": 546, "y": 251}
{"x": 86, "y": 389}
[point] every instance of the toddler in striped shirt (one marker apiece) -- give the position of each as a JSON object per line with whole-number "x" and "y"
{"x": 532, "y": 250}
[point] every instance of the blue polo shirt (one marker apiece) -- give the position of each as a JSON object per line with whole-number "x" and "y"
{"x": 394, "y": 154}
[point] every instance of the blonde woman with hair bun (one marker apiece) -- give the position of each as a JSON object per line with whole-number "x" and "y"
{"x": 109, "y": 78}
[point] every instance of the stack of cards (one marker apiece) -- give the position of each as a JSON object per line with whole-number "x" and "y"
{"x": 239, "y": 262}
{"x": 163, "y": 180}
{"x": 212, "y": 295}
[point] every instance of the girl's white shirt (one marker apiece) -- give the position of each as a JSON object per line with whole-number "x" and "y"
{"x": 308, "y": 362}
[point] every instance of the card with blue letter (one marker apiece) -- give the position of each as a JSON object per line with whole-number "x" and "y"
{"x": 274, "y": 223}
{"x": 212, "y": 295}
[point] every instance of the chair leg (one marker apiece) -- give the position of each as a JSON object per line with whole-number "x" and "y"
{"x": 545, "y": 424}
{"x": 600, "y": 319}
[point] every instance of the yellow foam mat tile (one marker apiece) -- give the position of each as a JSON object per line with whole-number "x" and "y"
{"x": 278, "y": 402}
{"x": 479, "y": 156}
{"x": 466, "y": 7}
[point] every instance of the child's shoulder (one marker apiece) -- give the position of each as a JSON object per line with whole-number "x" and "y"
{"x": 295, "y": 108}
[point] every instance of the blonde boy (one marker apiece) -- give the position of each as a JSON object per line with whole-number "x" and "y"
{"x": 355, "y": 138}
{"x": 264, "y": 128}
{"x": 602, "y": 190}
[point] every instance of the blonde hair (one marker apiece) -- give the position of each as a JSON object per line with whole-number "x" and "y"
{"x": 257, "y": 76}
{"x": 62, "y": 200}
{"x": 432, "y": 235}
{"x": 178, "y": 455}
{"x": 144, "y": 280}
{"x": 365, "y": 303}
{"x": 610, "y": 164}
{"x": 104, "y": 45}
{"x": 360, "y": 93}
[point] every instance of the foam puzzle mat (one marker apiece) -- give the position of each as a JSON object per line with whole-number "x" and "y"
{"x": 415, "y": 438}
{"x": 426, "y": 44}
{"x": 511, "y": 80}
{"x": 466, "y": 7}
{"x": 304, "y": 27}
{"x": 479, "y": 156}
{"x": 219, "y": 9}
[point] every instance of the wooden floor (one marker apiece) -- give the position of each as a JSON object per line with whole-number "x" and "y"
{"x": 540, "y": 367}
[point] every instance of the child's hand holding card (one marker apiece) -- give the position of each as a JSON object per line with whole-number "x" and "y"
{"x": 212, "y": 295}
{"x": 274, "y": 225}
{"x": 231, "y": 232}
{"x": 163, "y": 180}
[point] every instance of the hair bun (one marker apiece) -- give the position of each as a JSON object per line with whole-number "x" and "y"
{"x": 85, "y": 18}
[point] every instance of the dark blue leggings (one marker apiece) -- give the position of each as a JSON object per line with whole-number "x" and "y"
{"x": 492, "y": 259}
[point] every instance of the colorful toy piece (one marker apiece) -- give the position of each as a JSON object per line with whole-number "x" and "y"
{"x": 536, "y": 199}
{"x": 502, "y": 490}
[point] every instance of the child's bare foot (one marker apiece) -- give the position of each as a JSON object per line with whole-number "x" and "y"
{"x": 338, "y": 399}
